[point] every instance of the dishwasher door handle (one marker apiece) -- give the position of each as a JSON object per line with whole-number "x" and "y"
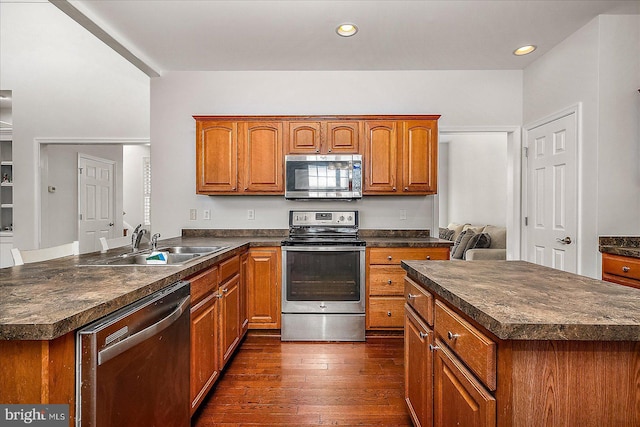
{"x": 124, "y": 345}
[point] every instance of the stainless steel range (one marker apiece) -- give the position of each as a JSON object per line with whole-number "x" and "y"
{"x": 323, "y": 278}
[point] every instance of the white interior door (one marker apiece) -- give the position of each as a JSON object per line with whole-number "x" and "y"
{"x": 96, "y": 201}
{"x": 552, "y": 193}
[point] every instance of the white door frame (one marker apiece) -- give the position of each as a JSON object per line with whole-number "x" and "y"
{"x": 573, "y": 109}
{"x": 514, "y": 183}
{"x": 38, "y": 142}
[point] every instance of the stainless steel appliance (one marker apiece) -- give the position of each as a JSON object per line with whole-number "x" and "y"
{"x": 323, "y": 278}
{"x": 323, "y": 176}
{"x": 133, "y": 365}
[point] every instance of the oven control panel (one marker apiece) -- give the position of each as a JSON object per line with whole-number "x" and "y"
{"x": 332, "y": 218}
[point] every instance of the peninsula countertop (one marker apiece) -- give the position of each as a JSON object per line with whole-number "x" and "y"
{"x": 517, "y": 300}
{"x": 43, "y": 301}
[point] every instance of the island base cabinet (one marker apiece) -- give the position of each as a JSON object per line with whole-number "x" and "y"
{"x": 418, "y": 366}
{"x": 459, "y": 399}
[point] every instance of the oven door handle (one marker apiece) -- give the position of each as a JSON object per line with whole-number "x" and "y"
{"x": 320, "y": 248}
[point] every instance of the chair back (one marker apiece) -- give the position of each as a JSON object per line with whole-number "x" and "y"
{"x": 114, "y": 243}
{"x": 44, "y": 254}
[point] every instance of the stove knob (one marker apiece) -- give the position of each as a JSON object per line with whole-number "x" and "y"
{"x": 350, "y": 218}
{"x": 341, "y": 218}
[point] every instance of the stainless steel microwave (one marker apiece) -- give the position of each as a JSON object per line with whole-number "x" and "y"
{"x": 323, "y": 176}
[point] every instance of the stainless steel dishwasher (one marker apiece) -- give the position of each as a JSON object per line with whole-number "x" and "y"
{"x": 133, "y": 365}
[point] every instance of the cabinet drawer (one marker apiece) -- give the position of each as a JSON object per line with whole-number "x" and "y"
{"x": 395, "y": 255}
{"x": 203, "y": 283}
{"x": 386, "y": 312}
{"x": 386, "y": 280}
{"x": 621, "y": 266}
{"x": 229, "y": 268}
{"x": 419, "y": 299}
{"x": 474, "y": 348}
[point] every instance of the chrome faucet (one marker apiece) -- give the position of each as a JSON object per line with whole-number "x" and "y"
{"x": 136, "y": 236}
{"x": 154, "y": 241}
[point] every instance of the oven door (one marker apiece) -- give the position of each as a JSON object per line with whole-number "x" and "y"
{"x": 323, "y": 279}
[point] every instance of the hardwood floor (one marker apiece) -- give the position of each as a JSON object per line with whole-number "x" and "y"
{"x": 274, "y": 383}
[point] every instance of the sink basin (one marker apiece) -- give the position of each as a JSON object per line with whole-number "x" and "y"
{"x": 177, "y": 255}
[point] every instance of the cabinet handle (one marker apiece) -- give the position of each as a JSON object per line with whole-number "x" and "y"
{"x": 225, "y": 290}
{"x": 329, "y": 149}
{"x": 388, "y": 314}
{"x": 406, "y": 188}
{"x": 423, "y": 335}
{"x": 389, "y": 281}
{"x": 410, "y": 296}
{"x": 220, "y": 296}
{"x": 452, "y": 336}
{"x": 428, "y": 257}
{"x": 433, "y": 347}
{"x": 626, "y": 269}
{"x": 394, "y": 188}
{"x": 389, "y": 257}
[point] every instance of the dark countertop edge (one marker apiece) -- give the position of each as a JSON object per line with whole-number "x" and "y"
{"x": 620, "y": 250}
{"x": 620, "y": 245}
{"x": 518, "y": 332}
{"x": 41, "y": 331}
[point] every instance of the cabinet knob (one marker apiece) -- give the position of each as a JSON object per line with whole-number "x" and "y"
{"x": 410, "y": 296}
{"x": 225, "y": 290}
{"x": 389, "y": 257}
{"x": 433, "y": 347}
{"x": 626, "y": 269}
{"x": 423, "y": 335}
{"x": 452, "y": 336}
{"x": 388, "y": 314}
{"x": 330, "y": 150}
{"x": 389, "y": 281}
{"x": 428, "y": 256}
{"x": 317, "y": 150}
{"x": 394, "y": 188}
{"x": 406, "y": 188}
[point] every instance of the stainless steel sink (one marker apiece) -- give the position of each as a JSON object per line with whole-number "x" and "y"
{"x": 177, "y": 255}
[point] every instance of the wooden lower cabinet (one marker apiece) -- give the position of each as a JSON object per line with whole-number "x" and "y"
{"x": 263, "y": 278}
{"x": 622, "y": 270}
{"x": 204, "y": 348}
{"x": 230, "y": 322}
{"x": 459, "y": 398}
{"x": 418, "y": 365}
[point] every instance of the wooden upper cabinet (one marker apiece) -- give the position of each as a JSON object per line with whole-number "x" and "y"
{"x": 262, "y": 157}
{"x": 380, "y": 156}
{"x": 304, "y": 137}
{"x": 216, "y": 157}
{"x": 323, "y": 137}
{"x": 420, "y": 156}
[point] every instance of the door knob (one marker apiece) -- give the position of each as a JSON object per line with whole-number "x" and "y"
{"x": 110, "y": 224}
{"x": 565, "y": 241}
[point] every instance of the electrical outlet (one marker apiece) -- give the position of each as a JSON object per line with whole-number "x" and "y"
{"x": 193, "y": 214}
{"x": 206, "y": 214}
{"x": 403, "y": 214}
{"x": 251, "y": 214}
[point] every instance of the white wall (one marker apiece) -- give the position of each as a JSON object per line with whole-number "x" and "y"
{"x": 597, "y": 66}
{"x": 132, "y": 178}
{"x": 60, "y": 209}
{"x": 464, "y": 98}
{"x": 473, "y": 179}
{"x": 66, "y": 84}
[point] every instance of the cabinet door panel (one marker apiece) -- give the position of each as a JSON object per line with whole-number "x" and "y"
{"x": 229, "y": 318}
{"x": 343, "y": 137}
{"x": 418, "y": 365}
{"x": 262, "y": 154}
{"x": 381, "y": 150}
{"x": 459, "y": 398}
{"x": 420, "y": 156}
{"x": 304, "y": 137}
{"x": 204, "y": 361}
{"x": 263, "y": 273}
{"x": 216, "y": 156}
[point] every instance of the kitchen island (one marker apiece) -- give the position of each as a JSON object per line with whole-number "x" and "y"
{"x": 512, "y": 343}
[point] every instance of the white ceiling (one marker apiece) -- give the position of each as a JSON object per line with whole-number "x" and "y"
{"x": 205, "y": 35}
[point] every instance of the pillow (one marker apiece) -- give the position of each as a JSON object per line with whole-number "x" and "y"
{"x": 457, "y": 229}
{"x": 498, "y": 236}
{"x": 479, "y": 241}
{"x": 461, "y": 243}
{"x": 445, "y": 233}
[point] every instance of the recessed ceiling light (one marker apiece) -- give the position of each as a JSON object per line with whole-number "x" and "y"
{"x": 524, "y": 50}
{"x": 347, "y": 30}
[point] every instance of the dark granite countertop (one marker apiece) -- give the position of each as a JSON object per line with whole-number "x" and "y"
{"x": 620, "y": 245}
{"x": 43, "y": 301}
{"x": 517, "y": 300}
